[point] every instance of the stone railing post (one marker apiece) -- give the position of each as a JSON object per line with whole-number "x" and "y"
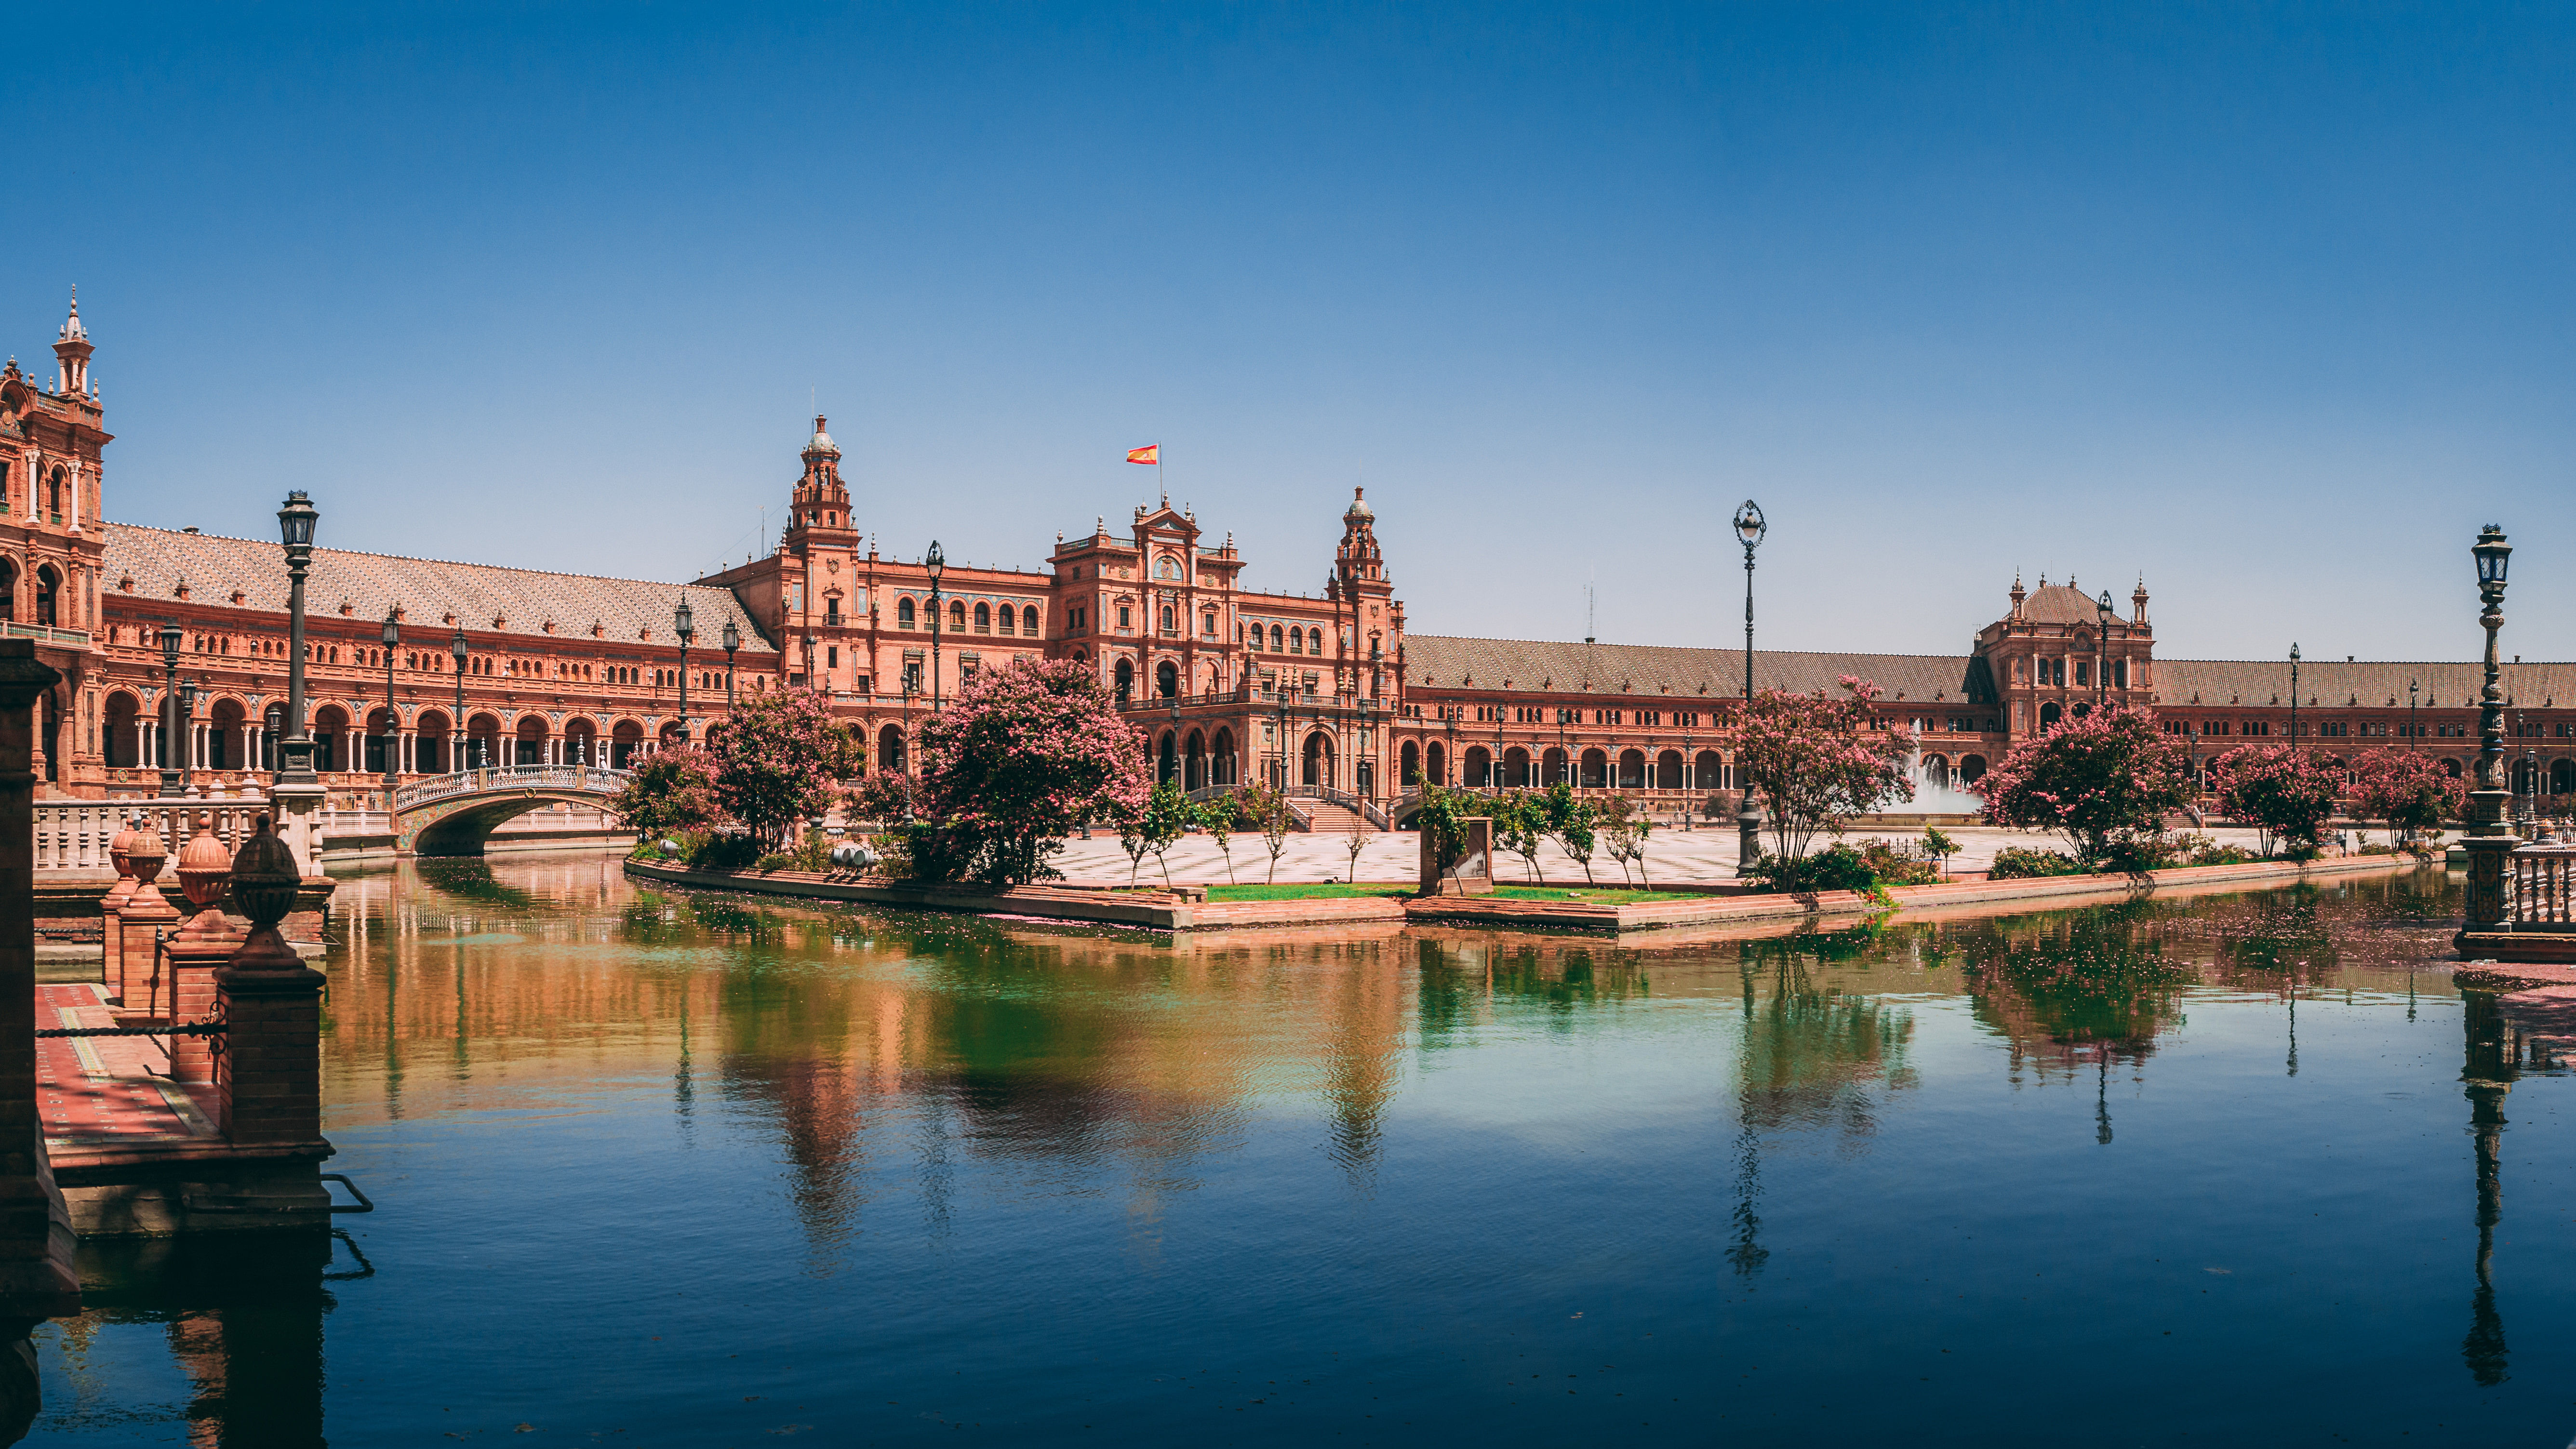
{"x": 143, "y": 912}
{"x": 268, "y": 1082}
{"x": 201, "y": 945}
{"x": 36, "y": 1278}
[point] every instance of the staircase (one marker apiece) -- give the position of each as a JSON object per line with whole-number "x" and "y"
{"x": 1330, "y": 819}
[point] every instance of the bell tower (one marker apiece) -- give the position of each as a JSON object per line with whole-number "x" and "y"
{"x": 71, "y": 353}
{"x": 821, "y": 502}
{"x": 1373, "y": 623}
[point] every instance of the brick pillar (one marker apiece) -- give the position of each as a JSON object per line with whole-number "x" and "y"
{"x": 36, "y": 1279}
{"x": 132, "y": 971}
{"x": 268, "y": 1082}
{"x": 205, "y": 942}
{"x": 111, "y": 925}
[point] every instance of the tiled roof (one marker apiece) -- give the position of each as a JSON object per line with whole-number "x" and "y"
{"x": 2329, "y": 683}
{"x": 1438, "y": 662}
{"x": 525, "y": 600}
{"x": 2060, "y": 604}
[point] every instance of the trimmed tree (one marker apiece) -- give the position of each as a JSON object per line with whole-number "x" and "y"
{"x": 672, "y": 790}
{"x": 2098, "y": 782}
{"x": 2408, "y": 791}
{"x": 1817, "y": 760}
{"x": 779, "y": 759}
{"x": 2284, "y": 792}
{"x": 1025, "y": 755}
{"x": 1264, "y": 809}
{"x": 1165, "y": 817}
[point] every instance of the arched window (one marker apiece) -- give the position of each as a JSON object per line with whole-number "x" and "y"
{"x": 903, "y": 613}
{"x": 1972, "y": 768}
{"x": 2048, "y": 714}
{"x": 956, "y": 616}
{"x": 890, "y": 748}
{"x": 48, "y": 586}
{"x": 1169, "y": 765}
{"x": 1126, "y": 675}
{"x": 1029, "y": 620}
{"x": 1277, "y": 644}
{"x": 1167, "y": 679}
{"x": 1296, "y": 641}
{"x": 1167, "y": 618}
{"x": 1437, "y": 766}
{"x": 1010, "y": 620}
{"x": 1408, "y": 767}
{"x": 1314, "y": 641}
{"x": 55, "y": 505}
{"x": 983, "y": 618}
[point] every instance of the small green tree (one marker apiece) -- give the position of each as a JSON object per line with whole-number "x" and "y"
{"x": 1167, "y": 816}
{"x": 1264, "y": 809}
{"x": 1218, "y": 817}
{"x": 1521, "y": 827}
{"x": 1352, "y": 845}
{"x": 2283, "y": 791}
{"x": 1577, "y": 833}
{"x": 1940, "y": 847}
{"x": 1625, "y": 828}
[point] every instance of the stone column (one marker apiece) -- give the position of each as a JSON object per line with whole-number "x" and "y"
{"x": 111, "y": 924}
{"x": 36, "y": 1278}
{"x": 131, "y": 974}
{"x": 205, "y": 942}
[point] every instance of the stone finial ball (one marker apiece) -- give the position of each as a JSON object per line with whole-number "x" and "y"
{"x": 147, "y": 853}
{"x": 265, "y": 877}
{"x": 203, "y": 865}
{"x": 120, "y": 850}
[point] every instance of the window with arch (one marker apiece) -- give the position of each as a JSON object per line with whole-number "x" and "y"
{"x": 54, "y": 504}
{"x": 903, "y": 616}
{"x": 1207, "y": 623}
{"x": 1296, "y": 641}
{"x": 1009, "y": 620}
{"x": 48, "y": 589}
{"x": 1314, "y": 641}
{"x": 956, "y": 616}
{"x": 983, "y": 618}
{"x": 1126, "y": 677}
{"x": 1167, "y": 618}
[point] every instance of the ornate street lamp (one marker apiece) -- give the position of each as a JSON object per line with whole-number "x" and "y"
{"x": 456, "y": 726}
{"x": 2294, "y": 696}
{"x": 732, "y": 641}
{"x": 810, "y": 678}
{"x": 2101, "y": 649}
{"x": 393, "y": 722}
{"x": 684, "y": 622}
{"x": 186, "y": 741}
{"x": 1749, "y": 529}
{"x": 295, "y": 522}
{"x": 936, "y": 563}
{"x": 2414, "y": 731}
{"x": 171, "y": 760}
{"x": 2488, "y": 842}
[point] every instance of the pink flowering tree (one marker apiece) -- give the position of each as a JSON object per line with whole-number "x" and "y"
{"x": 672, "y": 790}
{"x": 779, "y": 759}
{"x": 2284, "y": 792}
{"x": 2407, "y": 790}
{"x": 2098, "y": 781}
{"x": 1817, "y": 760}
{"x": 1025, "y": 754}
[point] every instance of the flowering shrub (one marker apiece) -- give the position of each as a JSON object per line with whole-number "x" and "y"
{"x": 2097, "y": 781}
{"x": 1818, "y": 760}
{"x": 780, "y": 760}
{"x": 2408, "y": 791}
{"x": 2283, "y": 791}
{"x": 673, "y": 792}
{"x": 1026, "y": 754}
{"x": 2015, "y": 862}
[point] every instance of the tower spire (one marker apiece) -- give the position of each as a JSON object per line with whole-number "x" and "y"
{"x": 71, "y": 353}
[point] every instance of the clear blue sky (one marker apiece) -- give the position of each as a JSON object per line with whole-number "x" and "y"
{"x": 2271, "y": 305}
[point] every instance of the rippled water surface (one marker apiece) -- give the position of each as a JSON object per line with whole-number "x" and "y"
{"x": 669, "y": 1169}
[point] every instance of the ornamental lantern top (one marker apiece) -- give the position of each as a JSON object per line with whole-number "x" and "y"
{"x": 393, "y": 630}
{"x": 456, "y": 645}
{"x": 684, "y": 620}
{"x": 935, "y": 561}
{"x": 2294, "y": 653}
{"x": 170, "y": 644}
{"x": 732, "y": 637}
{"x": 295, "y": 520}
{"x": 1749, "y": 525}
{"x": 2103, "y": 604}
{"x": 2492, "y": 554}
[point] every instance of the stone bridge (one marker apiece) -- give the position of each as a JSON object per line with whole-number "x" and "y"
{"x": 451, "y": 814}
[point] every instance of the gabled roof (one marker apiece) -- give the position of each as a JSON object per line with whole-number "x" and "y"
{"x": 427, "y": 589}
{"x": 2327, "y": 684}
{"x": 1440, "y": 662}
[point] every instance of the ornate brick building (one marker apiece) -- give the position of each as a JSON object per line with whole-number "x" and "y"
{"x": 1326, "y": 692}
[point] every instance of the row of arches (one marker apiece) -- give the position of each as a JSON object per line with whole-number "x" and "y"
{"x": 223, "y": 736}
{"x": 1007, "y": 620}
{"x": 46, "y": 605}
{"x": 1589, "y": 769}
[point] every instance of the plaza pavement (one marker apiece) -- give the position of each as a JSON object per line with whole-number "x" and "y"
{"x": 1671, "y": 856}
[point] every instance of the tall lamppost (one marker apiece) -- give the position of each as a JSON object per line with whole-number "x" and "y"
{"x": 732, "y": 641}
{"x": 2294, "y": 696}
{"x": 170, "y": 637}
{"x": 936, "y": 563}
{"x": 2101, "y": 650}
{"x": 1749, "y": 529}
{"x": 456, "y": 724}
{"x": 811, "y": 680}
{"x": 684, "y": 622}
{"x": 2414, "y": 731}
{"x": 2488, "y": 842}
{"x": 186, "y": 740}
{"x": 295, "y": 522}
{"x": 393, "y": 722}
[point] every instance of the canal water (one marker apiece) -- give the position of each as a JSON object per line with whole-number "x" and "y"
{"x": 657, "y": 1168}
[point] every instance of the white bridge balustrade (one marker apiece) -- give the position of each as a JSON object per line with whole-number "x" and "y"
{"x": 72, "y": 836}
{"x": 592, "y": 778}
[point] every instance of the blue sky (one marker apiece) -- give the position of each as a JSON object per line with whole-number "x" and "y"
{"x": 2271, "y": 305}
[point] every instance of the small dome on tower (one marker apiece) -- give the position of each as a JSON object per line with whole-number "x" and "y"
{"x": 72, "y": 329}
{"x": 821, "y": 444}
{"x": 1359, "y": 511}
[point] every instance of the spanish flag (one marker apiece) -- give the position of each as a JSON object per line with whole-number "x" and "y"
{"x": 1150, "y": 453}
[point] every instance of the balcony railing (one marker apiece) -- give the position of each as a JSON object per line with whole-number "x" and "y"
{"x": 512, "y": 777}
{"x": 47, "y": 633}
{"x": 2544, "y": 879}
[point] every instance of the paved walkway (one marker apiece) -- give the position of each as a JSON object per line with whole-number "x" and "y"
{"x": 109, "y": 1091}
{"x": 1671, "y": 855}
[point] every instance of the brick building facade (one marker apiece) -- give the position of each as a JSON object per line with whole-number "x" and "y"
{"x": 1325, "y": 692}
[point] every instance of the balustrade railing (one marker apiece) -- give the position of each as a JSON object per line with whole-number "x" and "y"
{"x": 2544, "y": 877}
{"x": 72, "y": 836}
{"x": 591, "y": 778}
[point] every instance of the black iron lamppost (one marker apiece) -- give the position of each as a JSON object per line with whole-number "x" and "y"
{"x": 456, "y": 726}
{"x": 2414, "y": 731}
{"x": 170, "y": 778}
{"x": 2101, "y": 650}
{"x": 2294, "y": 696}
{"x": 2488, "y": 842}
{"x": 936, "y": 563}
{"x": 732, "y": 641}
{"x": 186, "y": 742}
{"x": 1749, "y": 529}
{"x": 393, "y": 722}
{"x": 295, "y": 523}
{"x": 684, "y": 622}
{"x": 810, "y": 680}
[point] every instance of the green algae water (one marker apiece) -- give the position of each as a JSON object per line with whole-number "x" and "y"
{"x": 657, "y": 1168}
